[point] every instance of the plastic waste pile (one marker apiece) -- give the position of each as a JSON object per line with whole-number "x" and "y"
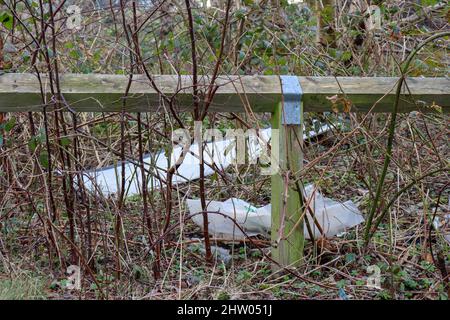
{"x": 333, "y": 217}
{"x": 222, "y": 154}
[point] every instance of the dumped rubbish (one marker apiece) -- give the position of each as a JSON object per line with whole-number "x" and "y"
{"x": 332, "y": 216}
{"x": 254, "y": 221}
{"x": 106, "y": 181}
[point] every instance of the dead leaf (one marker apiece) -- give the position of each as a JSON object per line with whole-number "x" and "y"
{"x": 429, "y": 258}
{"x": 340, "y": 104}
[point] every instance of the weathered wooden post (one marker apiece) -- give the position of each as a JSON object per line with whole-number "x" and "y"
{"x": 287, "y": 137}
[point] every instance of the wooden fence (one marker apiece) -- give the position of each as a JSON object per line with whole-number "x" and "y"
{"x": 286, "y": 97}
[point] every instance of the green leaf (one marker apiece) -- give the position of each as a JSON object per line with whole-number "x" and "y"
{"x": 346, "y": 56}
{"x": 74, "y": 54}
{"x": 69, "y": 45}
{"x": 65, "y": 141}
{"x": 26, "y": 56}
{"x": 10, "y": 124}
{"x": 7, "y": 20}
{"x": 32, "y": 144}
{"x": 44, "y": 159}
{"x": 350, "y": 257}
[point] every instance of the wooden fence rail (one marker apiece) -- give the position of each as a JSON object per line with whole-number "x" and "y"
{"x": 104, "y": 93}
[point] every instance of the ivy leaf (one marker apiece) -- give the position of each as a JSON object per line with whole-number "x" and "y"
{"x": 10, "y": 124}
{"x": 7, "y": 20}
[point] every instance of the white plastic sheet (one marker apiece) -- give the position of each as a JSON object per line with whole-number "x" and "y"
{"x": 333, "y": 217}
{"x": 220, "y": 153}
{"x": 253, "y": 220}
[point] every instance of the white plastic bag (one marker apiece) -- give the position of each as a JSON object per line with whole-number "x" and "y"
{"x": 253, "y": 220}
{"x": 333, "y": 217}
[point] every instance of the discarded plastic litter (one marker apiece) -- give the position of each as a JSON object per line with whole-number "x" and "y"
{"x": 106, "y": 181}
{"x": 253, "y": 220}
{"x": 333, "y": 217}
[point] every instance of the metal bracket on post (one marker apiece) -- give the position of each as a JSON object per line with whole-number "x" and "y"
{"x": 292, "y": 98}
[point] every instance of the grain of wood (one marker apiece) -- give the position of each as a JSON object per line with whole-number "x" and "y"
{"x": 103, "y": 93}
